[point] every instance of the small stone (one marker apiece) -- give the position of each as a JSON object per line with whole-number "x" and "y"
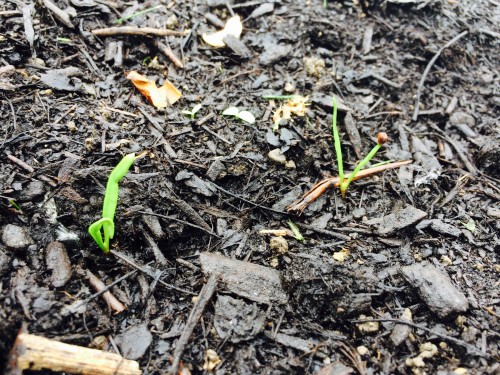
{"x": 415, "y": 362}
{"x": 400, "y": 332}
{"x": 461, "y": 371}
{"x": 314, "y": 66}
{"x": 216, "y": 170}
{"x": 289, "y": 87}
{"x": 274, "y": 262}
{"x": 16, "y": 237}
{"x": 31, "y": 191}
{"x": 211, "y": 360}
{"x": 428, "y": 350}
{"x": 172, "y": 22}
{"x": 362, "y": 350}
{"x": 367, "y": 327}
{"x": 71, "y": 125}
{"x": 496, "y": 267}
{"x": 341, "y": 256}
{"x": 435, "y": 288}
{"x": 290, "y": 164}
{"x": 58, "y": 261}
{"x": 277, "y": 156}
{"x": 446, "y": 261}
{"x": 459, "y": 118}
{"x": 279, "y": 245}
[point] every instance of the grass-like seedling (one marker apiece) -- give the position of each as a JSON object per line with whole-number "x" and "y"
{"x": 295, "y": 230}
{"x": 109, "y": 206}
{"x": 242, "y": 115}
{"x": 126, "y": 18}
{"x": 345, "y": 182}
{"x": 192, "y": 112}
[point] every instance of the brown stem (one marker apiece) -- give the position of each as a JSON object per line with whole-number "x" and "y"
{"x": 319, "y": 189}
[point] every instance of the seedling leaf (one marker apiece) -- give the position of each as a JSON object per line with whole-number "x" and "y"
{"x": 196, "y": 108}
{"x": 231, "y": 111}
{"x": 246, "y": 116}
{"x": 295, "y": 230}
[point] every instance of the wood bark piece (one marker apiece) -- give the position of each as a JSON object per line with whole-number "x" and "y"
{"x": 133, "y": 30}
{"x": 248, "y": 280}
{"x": 31, "y": 352}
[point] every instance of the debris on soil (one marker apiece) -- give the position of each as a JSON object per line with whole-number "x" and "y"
{"x": 277, "y": 156}
{"x": 401, "y": 219}
{"x": 435, "y": 288}
{"x": 237, "y": 320}
{"x": 400, "y": 332}
{"x": 58, "y": 262}
{"x": 161, "y": 97}
{"x": 134, "y": 341}
{"x": 16, "y": 237}
{"x": 278, "y": 245}
{"x": 257, "y": 283}
{"x": 233, "y": 27}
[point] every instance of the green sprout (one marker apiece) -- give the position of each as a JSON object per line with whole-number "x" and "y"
{"x": 106, "y": 223}
{"x": 192, "y": 112}
{"x": 242, "y": 115}
{"x": 64, "y": 40}
{"x": 344, "y": 183}
{"x": 295, "y": 230}
{"x": 279, "y": 97}
{"x": 14, "y": 204}
{"x": 126, "y": 18}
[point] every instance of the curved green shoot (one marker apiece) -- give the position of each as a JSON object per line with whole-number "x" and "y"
{"x": 336, "y": 140}
{"x": 109, "y": 206}
{"x": 344, "y": 184}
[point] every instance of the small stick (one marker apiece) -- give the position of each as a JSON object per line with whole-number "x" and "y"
{"x": 205, "y": 295}
{"x": 60, "y": 14}
{"x": 428, "y": 68}
{"x": 167, "y": 51}
{"x": 332, "y": 182}
{"x": 31, "y": 352}
{"x": 20, "y": 163}
{"x": 111, "y": 300}
{"x": 133, "y": 30}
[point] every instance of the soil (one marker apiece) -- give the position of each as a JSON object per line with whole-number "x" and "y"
{"x": 413, "y": 251}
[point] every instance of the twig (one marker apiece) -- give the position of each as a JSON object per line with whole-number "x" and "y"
{"x": 148, "y": 271}
{"x": 470, "y": 348}
{"x": 20, "y": 163}
{"x": 31, "y": 352}
{"x": 60, "y": 14}
{"x": 428, "y": 68}
{"x": 98, "y": 285}
{"x": 133, "y": 30}
{"x": 167, "y": 51}
{"x": 247, "y": 201}
{"x": 205, "y": 295}
{"x": 318, "y": 190}
{"x": 324, "y": 231}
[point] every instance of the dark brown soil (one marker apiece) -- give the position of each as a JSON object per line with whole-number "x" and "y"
{"x": 422, "y": 239}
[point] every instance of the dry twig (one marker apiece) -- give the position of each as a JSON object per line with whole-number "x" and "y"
{"x": 133, "y": 30}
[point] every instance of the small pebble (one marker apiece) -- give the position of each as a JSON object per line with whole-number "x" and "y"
{"x": 368, "y": 327}
{"x": 445, "y": 260}
{"x": 16, "y": 237}
{"x": 290, "y": 164}
{"x": 362, "y": 350}
{"x": 277, "y": 156}
{"x": 314, "y": 66}
{"x": 279, "y": 245}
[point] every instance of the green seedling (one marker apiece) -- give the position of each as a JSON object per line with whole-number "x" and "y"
{"x": 192, "y": 112}
{"x": 242, "y": 115}
{"x": 279, "y": 97}
{"x": 126, "y": 18}
{"x": 345, "y": 182}
{"x": 64, "y": 40}
{"x": 295, "y": 230}
{"x": 14, "y": 204}
{"x": 109, "y": 206}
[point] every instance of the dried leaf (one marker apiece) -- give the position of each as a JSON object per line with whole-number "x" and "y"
{"x": 233, "y": 27}
{"x": 160, "y": 97}
{"x": 296, "y": 105}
